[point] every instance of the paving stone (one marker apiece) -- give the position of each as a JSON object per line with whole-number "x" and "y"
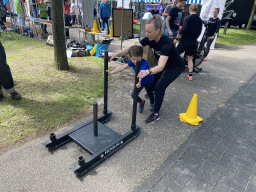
{"x": 184, "y": 177}
{"x": 178, "y": 167}
{"x": 242, "y": 178}
{"x": 234, "y": 166}
{"x": 205, "y": 187}
{"x": 174, "y": 187}
{"x": 250, "y": 188}
{"x": 213, "y": 177}
{"x": 221, "y": 187}
{"x": 229, "y": 181}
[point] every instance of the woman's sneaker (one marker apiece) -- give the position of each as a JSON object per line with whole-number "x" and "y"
{"x": 151, "y": 107}
{"x": 152, "y": 118}
{"x": 141, "y": 106}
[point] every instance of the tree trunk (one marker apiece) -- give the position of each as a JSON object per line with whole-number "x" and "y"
{"x": 225, "y": 28}
{"x": 249, "y": 25}
{"x": 60, "y": 55}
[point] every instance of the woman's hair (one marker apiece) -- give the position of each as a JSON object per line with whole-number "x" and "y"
{"x": 136, "y": 51}
{"x": 157, "y": 21}
{"x": 193, "y": 7}
{"x": 218, "y": 9}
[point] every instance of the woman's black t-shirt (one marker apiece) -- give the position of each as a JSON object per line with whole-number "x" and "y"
{"x": 213, "y": 25}
{"x": 165, "y": 47}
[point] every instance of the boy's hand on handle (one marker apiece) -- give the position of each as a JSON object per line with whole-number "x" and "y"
{"x": 138, "y": 85}
{"x": 108, "y": 72}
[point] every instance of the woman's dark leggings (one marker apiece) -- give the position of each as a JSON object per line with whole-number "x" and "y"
{"x": 208, "y": 44}
{"x": 148, "y": 87}
{"x": 162, "y": 81}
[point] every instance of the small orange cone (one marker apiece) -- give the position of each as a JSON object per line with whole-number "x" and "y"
{"x": 191, "y": 115}
{"x": 95, "y": 27}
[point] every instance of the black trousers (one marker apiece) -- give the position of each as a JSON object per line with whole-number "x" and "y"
{"x": 162, "y": 81}
{"x": 208, "y": 42}
{"x": 148, "y": 87}
{"x": 5, "y": 72}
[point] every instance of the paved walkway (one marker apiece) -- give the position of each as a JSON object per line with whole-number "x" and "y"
{"x": 220, "y": 156}
{"x": 168, "y": 155}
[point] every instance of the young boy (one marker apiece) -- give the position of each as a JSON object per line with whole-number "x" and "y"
{"x": 136, "y": 53}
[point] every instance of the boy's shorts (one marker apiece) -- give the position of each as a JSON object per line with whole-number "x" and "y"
{"x": 21, "y": 21}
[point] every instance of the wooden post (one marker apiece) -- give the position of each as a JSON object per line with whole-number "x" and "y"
{"x": 225, "y": 28}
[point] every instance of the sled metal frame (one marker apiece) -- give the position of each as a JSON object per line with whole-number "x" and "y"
{"x": 95, "y": 137}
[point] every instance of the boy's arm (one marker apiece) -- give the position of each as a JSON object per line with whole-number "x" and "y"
{"x": 118, "y": 69}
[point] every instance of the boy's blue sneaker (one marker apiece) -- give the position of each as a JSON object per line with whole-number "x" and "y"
{"x": 141, "y": 106}
{"x": 151, "y": 107}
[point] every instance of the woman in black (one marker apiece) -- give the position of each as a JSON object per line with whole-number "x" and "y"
{"x": 169, "y": 65}
{"x": 212, "y": 28}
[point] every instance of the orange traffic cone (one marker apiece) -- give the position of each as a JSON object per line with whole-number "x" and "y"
{"x": 95, "y": 27}
{"x": 191, "y": 115}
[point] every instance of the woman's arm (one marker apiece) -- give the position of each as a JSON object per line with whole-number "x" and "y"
{"x": 122, "y": 52}
{"x": 160, "y": 67}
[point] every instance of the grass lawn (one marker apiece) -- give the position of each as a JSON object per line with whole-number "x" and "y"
{"x": 236, "y": 37}
{"x": 50, "y": 98}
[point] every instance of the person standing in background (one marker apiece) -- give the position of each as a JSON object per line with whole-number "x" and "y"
{"x": 21, "y": 15}
{"x": 173, "y": 18}
{"x": 155, "y": 11}
{"x": 48, "y": 3}
{"x": 165, "y": 14}
{"x": 105, "y": 12}
{"x": 73, "y": 11}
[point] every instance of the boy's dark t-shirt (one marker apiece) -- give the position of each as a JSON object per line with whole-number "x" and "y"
{"x": 165, "y": 47}
{"x": 143, "y": 66}
{"x": 192, "y": 27}
{"x": 175, "y": 14}
{"x": 213, "y": 26}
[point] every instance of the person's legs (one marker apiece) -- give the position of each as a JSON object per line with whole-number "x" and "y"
{"x": 21, "y": 24}
{"x": 166, "y": 79}
{"x": 150, "y": 94}
{"x": 7, "y": 82}
{"x": 204, "y": 39}
{"x": 35, "y": 12}
{"x": 6, "y": 76}
{"x": 168, "y": 76}
{"x": 140, "y": 101}
{"x": 139, "y": 90}
{"x": 73, "y": 19}
{"x": 105, "y": 22}
{"x": 208, "y": 46}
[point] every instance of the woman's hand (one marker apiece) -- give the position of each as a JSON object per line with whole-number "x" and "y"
{"x": 212, "y": 37}
{"x": 111, "y": 57}
{"x": 142, "y": 74}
